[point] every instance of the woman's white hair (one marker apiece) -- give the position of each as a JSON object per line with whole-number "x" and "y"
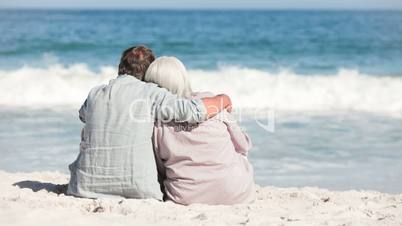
{"x": 170, "y": 73}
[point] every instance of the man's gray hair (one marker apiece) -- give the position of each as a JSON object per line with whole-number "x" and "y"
{"x": 135, "y": 61}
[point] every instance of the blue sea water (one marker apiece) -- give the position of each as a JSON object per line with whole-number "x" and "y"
{"x": 332, "y": 78}
{"x": 304, "y": 41}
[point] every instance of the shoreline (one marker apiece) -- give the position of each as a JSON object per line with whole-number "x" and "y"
{"x": 36, "y": 202}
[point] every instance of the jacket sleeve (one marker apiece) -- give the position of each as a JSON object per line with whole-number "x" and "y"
{"x": 83, "y": 112}
{"x": 169, "y": 107}
{"x": 241, "y": 141}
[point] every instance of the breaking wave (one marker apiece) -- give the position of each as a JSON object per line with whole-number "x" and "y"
{"x": 347, "y": 90}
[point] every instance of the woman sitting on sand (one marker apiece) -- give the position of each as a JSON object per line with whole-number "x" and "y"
{"x": 204, "y": 163}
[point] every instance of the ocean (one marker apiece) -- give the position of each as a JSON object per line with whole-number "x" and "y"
{"x": 319, "y": 92}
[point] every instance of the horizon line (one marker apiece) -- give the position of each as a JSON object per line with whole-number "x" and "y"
{"x": 200, "y": 9}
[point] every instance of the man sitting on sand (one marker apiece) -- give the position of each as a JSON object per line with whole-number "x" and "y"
{"x": 116, "y": 156}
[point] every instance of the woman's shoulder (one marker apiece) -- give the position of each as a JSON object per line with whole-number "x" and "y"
{"x": 222, "y": 116}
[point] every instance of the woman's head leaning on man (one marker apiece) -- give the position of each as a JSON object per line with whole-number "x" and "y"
{"x": 167, "y": 72}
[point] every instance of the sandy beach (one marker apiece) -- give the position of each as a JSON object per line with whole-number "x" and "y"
{"x": 33, "y": 199}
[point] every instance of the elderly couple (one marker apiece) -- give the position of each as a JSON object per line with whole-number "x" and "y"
{"x": 147, "y": 135}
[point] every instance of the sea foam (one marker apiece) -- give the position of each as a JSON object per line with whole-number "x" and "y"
{"x": 347, "y": 90}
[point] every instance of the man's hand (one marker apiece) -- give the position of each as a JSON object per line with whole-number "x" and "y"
{"x": 216, "y": 104}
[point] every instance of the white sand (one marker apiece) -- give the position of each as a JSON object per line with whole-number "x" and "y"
{"x": 38, "y": 204}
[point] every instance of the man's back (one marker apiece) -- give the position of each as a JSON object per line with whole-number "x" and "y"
{"x": 116, "y": 155}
